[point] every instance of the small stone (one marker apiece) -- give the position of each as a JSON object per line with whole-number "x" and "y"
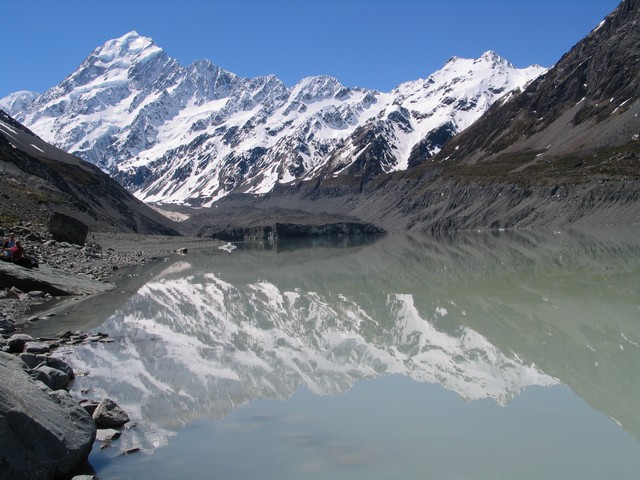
{"x": 32, "y": 360}
{"x": 107, "y": 434}
{"x": 109, "y": 414}
{"x": 61, "y": 365}
{"x": 36, "y": 347}
{"x": 6, "y": 326}
{"x": 13, "y": 292}
{"x": 65, "y": 334}
{"x": 18, "y": 341}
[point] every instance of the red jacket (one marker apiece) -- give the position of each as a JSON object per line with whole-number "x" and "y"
{"x": 17, "y": 252}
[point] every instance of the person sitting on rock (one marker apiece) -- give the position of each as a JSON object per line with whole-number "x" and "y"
{"x": 20, "y": 258}
{"x": 8, "y": 244}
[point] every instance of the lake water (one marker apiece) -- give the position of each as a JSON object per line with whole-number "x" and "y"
{"x": 505, "y": 355}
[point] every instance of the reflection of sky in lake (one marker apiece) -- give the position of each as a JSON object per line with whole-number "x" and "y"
{"x": 219, "y": 336}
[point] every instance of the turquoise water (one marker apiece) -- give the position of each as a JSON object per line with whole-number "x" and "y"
{"x": 474, "y": 356}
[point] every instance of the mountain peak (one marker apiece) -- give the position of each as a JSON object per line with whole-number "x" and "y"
{"x": 585, "y": 102}
{"x": 320, "y": 87}
{"x": 18, "y": 101}
{"x": 489, "y": 57}
{"x": 493, "y": 57}
{"x": 133, "y": 41}
{"x": 129, "y": 45}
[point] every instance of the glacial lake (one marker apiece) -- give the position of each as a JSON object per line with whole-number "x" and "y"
{"x": 488, "y": 355}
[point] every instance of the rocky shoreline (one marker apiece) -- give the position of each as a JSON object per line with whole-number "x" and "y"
{"x": 50, "y": 433}
{"x": 102, "y": 258}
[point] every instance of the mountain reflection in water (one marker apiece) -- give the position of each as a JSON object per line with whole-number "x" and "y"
{"x": 483, "y": 314}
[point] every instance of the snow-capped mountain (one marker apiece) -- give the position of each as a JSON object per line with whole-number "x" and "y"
{"x": 193, "y": 134}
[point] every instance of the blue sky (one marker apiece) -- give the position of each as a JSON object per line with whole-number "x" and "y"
{"x": 367, "y": 43}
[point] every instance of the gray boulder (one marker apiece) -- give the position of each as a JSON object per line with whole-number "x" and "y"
{"x": 52, "y": 377}
{"x": 36, "y": 347}
{"x": 18, "y": 341}
{"x": 108, "y": 414}
{"x": 67, "y": 229}
{"x": 6, "y": 326}
{"x": 44, "y": 434}
{"x": 89, "y": 405}
{"x": 33, "y": 360}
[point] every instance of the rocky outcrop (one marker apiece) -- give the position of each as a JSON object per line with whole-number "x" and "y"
{"x": 337, "y": 229}
{"x": 49, "y": 280}
{"x": 235, "y": 222}
{"x": 44, "y": 434}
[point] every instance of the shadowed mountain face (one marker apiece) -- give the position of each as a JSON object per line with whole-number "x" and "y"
{"x": 38, "y": 179}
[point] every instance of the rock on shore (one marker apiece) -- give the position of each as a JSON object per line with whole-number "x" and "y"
{"x": 43, "y": 433}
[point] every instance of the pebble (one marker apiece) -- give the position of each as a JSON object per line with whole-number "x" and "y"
{"x": 107, "y": 434}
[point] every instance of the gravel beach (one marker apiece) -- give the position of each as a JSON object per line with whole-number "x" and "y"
{"x": 102, "y": 258}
